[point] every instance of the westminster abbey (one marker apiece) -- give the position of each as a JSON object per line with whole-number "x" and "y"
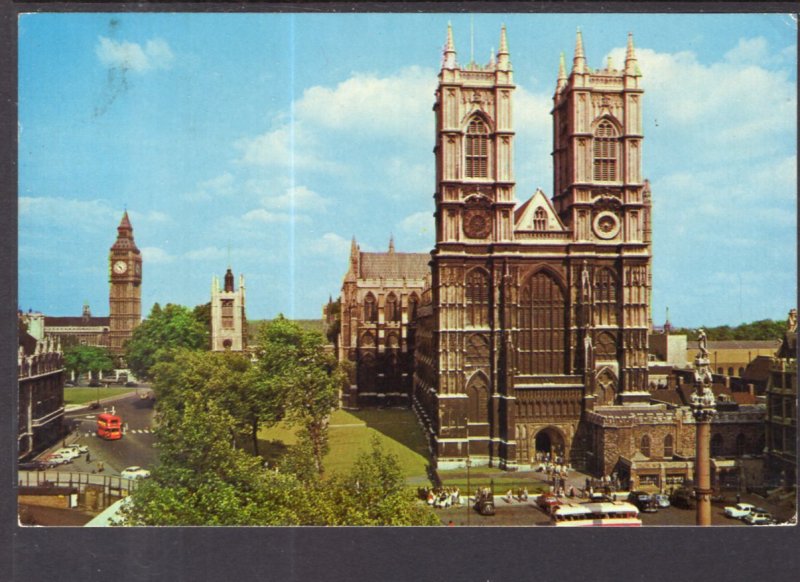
{"x": 524, "y": 318}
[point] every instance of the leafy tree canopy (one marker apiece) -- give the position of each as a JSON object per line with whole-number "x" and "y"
{"x": 161, "y": 334}
{"x": 81, "y": 359}
{"x": 765, "y": 329}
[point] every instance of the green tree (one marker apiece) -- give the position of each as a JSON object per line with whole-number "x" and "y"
{"x": 161, "y": 334}
{"x": 202, "y": 313}
{"x": 202, "y": 479}
{"x": 227, "y": 378}
{"x": 374, "y": 493}
{"x": 82, "y": 359}
{"x": 302, "y": 378}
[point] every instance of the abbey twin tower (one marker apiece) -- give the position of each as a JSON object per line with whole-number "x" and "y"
{"x": 524, "y": 318}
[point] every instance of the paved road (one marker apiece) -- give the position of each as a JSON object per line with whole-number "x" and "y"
{"x": 134, "y": 448}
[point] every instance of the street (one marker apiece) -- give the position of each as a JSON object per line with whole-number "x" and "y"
{"x": 134, "y": 448}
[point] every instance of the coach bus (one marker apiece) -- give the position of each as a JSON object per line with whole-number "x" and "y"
{"x": 109, "y": 426}
{"x": 602, "y": 514}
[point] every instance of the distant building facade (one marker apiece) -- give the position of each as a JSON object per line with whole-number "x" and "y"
{"x": 125, "y": 293}
{"x": 379, "y": 301}
{"x": 40, "y": 375}
{"x": 781, "y": 426}
{"x": 731, "y": 357}
{"x": 228, "y": 319}
{"x": 85, "y": 330}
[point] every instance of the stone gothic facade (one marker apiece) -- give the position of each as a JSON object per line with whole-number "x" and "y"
{"x": 379, "y": 302}
{"x": 228, "y": 321}
{"x": 526, "y": 328}
{"x": 539, "y": 312}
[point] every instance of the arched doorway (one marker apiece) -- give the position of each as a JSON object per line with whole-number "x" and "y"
{"x": 549, "y": 441}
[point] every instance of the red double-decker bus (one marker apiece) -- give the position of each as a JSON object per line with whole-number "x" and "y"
{"x": 109, "y": 426}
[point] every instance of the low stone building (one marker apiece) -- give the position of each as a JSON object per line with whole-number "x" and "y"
{"x": 731, "y": 357}
{"x": 83, "y": 330}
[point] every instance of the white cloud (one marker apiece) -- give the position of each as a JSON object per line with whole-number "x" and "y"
{"x": 81, "y": 214}
{"x": 329, "y": 244}
{"x": 156, "y": 54}
{"x": 288, "y": 145}
{"x": 219, "y": 186}
{"x": 296, "y": 197}
{"x": 156, "y": 255}
{"x": 418, "y": 223}
{"x": 261, "y": 215}
{"x": 397, "y": 105}
{"x": 207, "y": 253}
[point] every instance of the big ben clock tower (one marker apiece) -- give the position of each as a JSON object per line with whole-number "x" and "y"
{"x": 125, "y": 294}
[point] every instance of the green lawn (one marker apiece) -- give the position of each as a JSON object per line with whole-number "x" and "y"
{"x": 351, "y": 432}
{"x": 84, "y": 395}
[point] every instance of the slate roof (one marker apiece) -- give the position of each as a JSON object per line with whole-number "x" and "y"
{"x": 77, "y": 321}
{"x": 668, "y": 396}
{"x": 758, "y": 370}
{"x": 394, "y": 265}
{"x": 744, "y": 398}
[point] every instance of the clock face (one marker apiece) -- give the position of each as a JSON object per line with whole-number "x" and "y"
{"x": 477, "y": 223}
{"x": 120, "y": 267}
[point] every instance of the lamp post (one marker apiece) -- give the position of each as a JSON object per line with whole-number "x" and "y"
{"x": 468, "y": 463}
{"x": 703, "y": 410}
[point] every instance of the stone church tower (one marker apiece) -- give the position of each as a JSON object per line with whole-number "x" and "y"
{"x": 537, "y": 312}
{"x": 228, "y": 321}
{"x": 125, "y": 295}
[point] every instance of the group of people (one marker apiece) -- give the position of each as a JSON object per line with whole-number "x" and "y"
{"x": 521, "y": 495}
{"x": 443, "y": 497}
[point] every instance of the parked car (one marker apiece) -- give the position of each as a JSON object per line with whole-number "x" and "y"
{"x": 68, "y": 452}
{"x": 739, "y": 511}
{"x": 135, "y": 473}
{"x": 82, "y": 449}
{"x": 759, "y": 517}
{"x": 33, "y": 466}
{"x": 662, "y": 500}
{"x": 684, "y": 498}
{"x": 484, "y": 503}
{"x": 57, "y": 459}
{"x": 644, "y": 501}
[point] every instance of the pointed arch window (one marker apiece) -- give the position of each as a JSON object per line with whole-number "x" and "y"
{"x": 477, "y": 398}
{"x": 413, "y": 302}
{"x": 540, "y": 219}
{"x": 604, "y": 152}
{"x": 605, "y": 294}
{"x": 477, "y": 296}
{"x": 542, "y": 341}
{"x": 370, "y": 308}
{"x": 669, "y": 447}
{"x": 476, "y": 149}
{"x": 391, "y": 310}
{"x": 716, "y": 445}
{"x": 644, "y": 446}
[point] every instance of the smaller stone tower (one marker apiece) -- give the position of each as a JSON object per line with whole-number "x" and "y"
{"x": 228, "y": 321}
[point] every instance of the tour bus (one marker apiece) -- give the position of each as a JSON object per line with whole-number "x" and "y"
{"x": 604, "y": 514}
{"x": 109, "y": 426}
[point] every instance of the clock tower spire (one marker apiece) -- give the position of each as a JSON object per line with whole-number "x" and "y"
{"x": 125, "y": 293}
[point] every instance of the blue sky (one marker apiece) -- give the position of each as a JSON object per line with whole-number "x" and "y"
{"x": 267, "y": 141}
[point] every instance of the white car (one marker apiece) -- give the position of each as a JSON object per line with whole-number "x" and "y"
{"x": 82, "y": 449}
{"x": 739, "y": 511}
{"x": 135, "y": 473}
{"x": 759, "y": 517}
{"x": 68, "y": 452}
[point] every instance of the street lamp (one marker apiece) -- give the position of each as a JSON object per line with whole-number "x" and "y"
{"x": 703, "y": 410}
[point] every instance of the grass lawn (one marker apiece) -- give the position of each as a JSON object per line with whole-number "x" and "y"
{"x": 351, "y": 433}
{"x": 84, "y": 395}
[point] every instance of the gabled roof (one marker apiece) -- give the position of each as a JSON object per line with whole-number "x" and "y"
{"x": 524, "y": 213}
{"x": 394, "y": 265}
{"x": 758, "y": 369}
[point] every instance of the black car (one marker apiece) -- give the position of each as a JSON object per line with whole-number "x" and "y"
{"x": 684, "y": 498}
{"x": 33, "y": 466}
{"x": 644, "y": 501}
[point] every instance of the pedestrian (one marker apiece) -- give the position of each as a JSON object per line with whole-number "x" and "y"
{"x": 450, "y": 523}
{"x": 88, "y": 457}
{"x": 738, "y": 497}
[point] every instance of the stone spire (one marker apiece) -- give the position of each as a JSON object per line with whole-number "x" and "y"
{"x": 562, "y": 74}
{"x": 229, "y": 281}
{"x": 352, "y": 271}
{"x": 503, "y": 58}
{"x": 391, "y": 244}
{"x": 449, "y": 61}
{"x": 125, "y": 234}
{"x": 631, "y": 64}
{"x": 579, "y": 62}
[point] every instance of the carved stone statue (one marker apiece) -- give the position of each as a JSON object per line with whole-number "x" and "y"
{"x": 702, "y": 343}
{"x": 791, "y": 324}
